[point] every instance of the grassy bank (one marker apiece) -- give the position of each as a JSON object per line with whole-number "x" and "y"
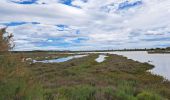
{"x": 16, "y": 81}
{"x": 118, "y": 78}
{"x": 41, "y": 55}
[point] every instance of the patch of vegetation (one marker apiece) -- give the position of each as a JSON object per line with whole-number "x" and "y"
{"x": 117, "y": 78}
{"x": 79, "y": 92}
{"x": 16, "y": 83}
{"x": 146, "y": 95}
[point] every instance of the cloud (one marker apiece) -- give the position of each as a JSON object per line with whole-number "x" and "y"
{"x": 87, "y": 24}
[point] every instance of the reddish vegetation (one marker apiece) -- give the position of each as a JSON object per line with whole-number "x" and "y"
{"x": 6, "y": 42}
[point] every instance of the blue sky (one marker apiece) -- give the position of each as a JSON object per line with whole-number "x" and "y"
{"x": 86, "y": 24}
{"x": 24, "y": 1}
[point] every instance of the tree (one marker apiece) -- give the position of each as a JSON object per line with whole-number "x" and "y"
{"x": 168, "y": 48}
{"x": 6, "y": 40}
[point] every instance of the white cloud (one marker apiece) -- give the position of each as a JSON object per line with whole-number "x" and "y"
{"x": 98, "y": 20}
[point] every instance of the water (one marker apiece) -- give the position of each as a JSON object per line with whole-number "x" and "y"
{"x": 101, "y": 58}
{"x": 59, "y": 60}
{"x": 160, "y": 61}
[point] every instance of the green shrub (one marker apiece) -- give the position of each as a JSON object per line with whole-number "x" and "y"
{"x": 145, "y": 95}
{"x": 20, "y": 89}
{"x": 16, "y": 82}
{"x": 125, "y": 91}
{"x": 80, "y": 92}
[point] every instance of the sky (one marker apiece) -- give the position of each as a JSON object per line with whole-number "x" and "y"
{"x": 86, "y": 24}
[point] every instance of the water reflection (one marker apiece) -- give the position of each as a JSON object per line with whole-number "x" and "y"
{"x": 160, "y": 61}
{"x": 59, "y": 60}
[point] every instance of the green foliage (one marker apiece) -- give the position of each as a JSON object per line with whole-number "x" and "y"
{"x": 18, "y": 89}
{"x": 16, "y": 82}
{"x": 146, "y": 95}
{"x": 125, "y": 91}
{"x": 81, "y": 92}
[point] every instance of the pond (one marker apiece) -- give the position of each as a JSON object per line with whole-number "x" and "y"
{"x": 101, "y": 58}
{"x": 59, "y": 60}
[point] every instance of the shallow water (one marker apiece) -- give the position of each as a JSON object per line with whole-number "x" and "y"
{"x": 101, "y": 58}
{"x": 58, "y": 60}
{"x": 160, "y": 61}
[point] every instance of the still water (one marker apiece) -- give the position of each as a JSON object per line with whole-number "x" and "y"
{"x": 101, "y": 58}
{"x": 58, "y": 60}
